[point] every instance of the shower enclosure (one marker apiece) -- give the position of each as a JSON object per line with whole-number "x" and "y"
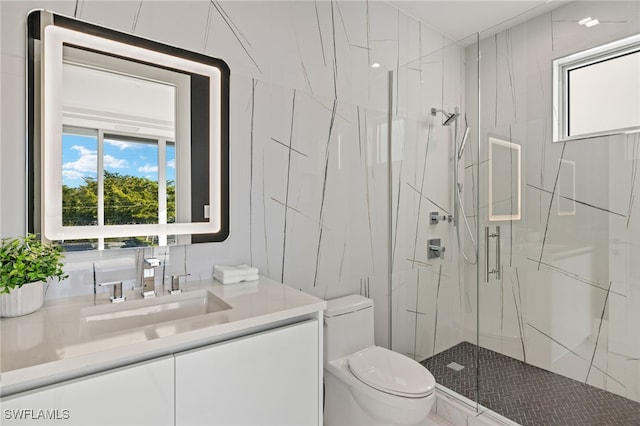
{"x": 514, "y": 255}
{"x": 433, "y": 185}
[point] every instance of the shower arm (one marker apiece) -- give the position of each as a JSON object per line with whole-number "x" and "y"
{"x": 450, "y": 118}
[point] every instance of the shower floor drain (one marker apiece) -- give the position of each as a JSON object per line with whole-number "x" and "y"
{"x": 455, "y": 366}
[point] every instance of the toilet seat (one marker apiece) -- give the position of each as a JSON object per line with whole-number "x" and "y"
{"x": 391, "y": 372}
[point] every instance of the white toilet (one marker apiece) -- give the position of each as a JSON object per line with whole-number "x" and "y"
{"x": 367, "y": 384}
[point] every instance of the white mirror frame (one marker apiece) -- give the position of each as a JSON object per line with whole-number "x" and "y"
{"x": 54, "y": 37}
{"x": 561, "y": 68}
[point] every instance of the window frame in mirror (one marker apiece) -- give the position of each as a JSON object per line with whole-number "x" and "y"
{"x": 210, "y": 144}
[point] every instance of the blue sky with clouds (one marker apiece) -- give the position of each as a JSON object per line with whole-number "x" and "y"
{"x": 80, "y": 154}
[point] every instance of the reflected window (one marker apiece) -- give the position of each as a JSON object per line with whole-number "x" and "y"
{"x": 80, "y": 177}
{"x": 505, "y": 177}
{"x": 115, "y": 179}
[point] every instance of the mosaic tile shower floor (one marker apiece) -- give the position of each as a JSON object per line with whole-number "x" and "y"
{"x": 529, "y": 395}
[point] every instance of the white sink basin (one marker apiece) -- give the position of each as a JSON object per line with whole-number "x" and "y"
{"x": 139, "y": 313}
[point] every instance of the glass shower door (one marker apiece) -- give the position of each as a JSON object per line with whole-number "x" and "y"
{"x": 514, "y": 259}
{"x": 433, "y": 250}
{"x": 557, "y": 276}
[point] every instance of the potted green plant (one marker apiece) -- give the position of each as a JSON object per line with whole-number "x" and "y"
{"x": 25, "y": 265}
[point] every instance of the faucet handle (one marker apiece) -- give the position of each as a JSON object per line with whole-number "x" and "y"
{"x": 175, "y": 283}
{"x": 117, "y": 291}
{"x": 151, "y": 262}
{"x": 435, "y": 249}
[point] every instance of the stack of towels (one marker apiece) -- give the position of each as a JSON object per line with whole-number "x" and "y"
{"x": 234, "y": 274}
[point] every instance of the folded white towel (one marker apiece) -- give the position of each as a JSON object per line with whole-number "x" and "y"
{"x": 236, "y": 279}
{"x": 234, "y": 271}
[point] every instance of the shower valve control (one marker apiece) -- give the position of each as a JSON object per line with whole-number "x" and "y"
{"x": 435, "y": 218}
{"x": 435, "y": 249}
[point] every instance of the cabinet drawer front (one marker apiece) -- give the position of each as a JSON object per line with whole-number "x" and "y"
{"x": 140, "y": 394}
{"x": 269, "y": 378}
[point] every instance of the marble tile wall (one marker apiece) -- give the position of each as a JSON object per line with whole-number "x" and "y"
{"x": 309, "y": 188}
{"x": 568, "y": 299}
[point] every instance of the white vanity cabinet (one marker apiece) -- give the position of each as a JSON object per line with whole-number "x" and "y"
{"x": 259, "y": 362}
{"x": 268, "y": 378}
{"x": 138, "y": 394}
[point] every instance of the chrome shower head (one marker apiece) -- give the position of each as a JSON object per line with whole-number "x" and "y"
{"x": 449, "y": 118}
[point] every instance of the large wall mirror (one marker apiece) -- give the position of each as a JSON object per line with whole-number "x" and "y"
{"x": 128, "y": 138}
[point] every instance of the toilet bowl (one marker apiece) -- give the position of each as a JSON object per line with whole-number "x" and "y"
{"x": 367, "y": 384}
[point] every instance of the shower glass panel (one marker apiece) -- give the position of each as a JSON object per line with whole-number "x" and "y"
{"x": 534, "y": 284}
{"x": 433, "y": 226}
{"x": 561, "y": 310}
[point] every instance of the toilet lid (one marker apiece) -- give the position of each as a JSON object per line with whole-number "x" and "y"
{"x": 392, "y": 372}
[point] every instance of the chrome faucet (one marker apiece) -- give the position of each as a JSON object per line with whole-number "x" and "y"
{"x": 175, "y": 283}
{"x": 117, "y": 296}
{"x": 148, "y": 277}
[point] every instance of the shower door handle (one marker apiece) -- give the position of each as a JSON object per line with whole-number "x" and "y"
{"x": 496, "y": 269}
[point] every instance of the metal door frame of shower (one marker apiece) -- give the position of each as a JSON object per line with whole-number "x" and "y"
{"x": 477, "y": 215}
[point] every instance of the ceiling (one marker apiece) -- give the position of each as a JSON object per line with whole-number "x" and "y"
{"x": 459, "y": 19}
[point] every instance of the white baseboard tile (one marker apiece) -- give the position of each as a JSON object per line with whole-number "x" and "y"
{"x": 461, "y": 411}
{"x": 436, "y": 420}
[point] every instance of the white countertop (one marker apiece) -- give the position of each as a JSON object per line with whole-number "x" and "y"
{"x": 50, "y": 345}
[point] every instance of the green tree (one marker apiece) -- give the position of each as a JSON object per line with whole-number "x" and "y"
{"x": 80, "y": 204}
{"x": 127, "y": 200}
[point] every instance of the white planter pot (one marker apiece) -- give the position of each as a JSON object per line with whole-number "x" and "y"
{"x": 22, "y": 301}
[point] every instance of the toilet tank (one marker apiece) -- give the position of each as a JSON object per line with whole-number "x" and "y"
{"x": 348, "y": 326}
